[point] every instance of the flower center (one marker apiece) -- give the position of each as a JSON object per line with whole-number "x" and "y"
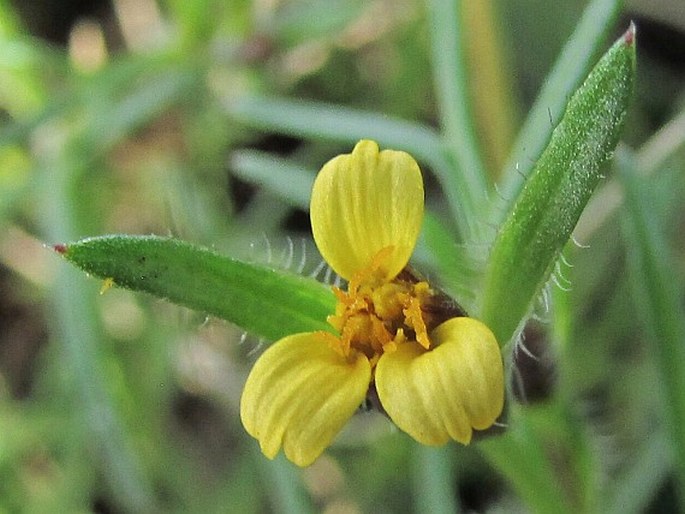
{"x": 376, "y": 314}
{"x": 373, "y": 318}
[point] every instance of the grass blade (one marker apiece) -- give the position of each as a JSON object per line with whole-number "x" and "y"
{"x": 452, "y": 93}
{"x": 658, "y": 299}
{"x": 319, "y": 121}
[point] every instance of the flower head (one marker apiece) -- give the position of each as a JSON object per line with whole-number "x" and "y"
{"x": 437, "y": 373}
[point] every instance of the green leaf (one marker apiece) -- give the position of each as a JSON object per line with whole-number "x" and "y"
{"x": 322, "y": 121}
{"x": 546, "y": 211}
{"x": 452, "y": 95}
{"x": 519, "y": 456}
{"x": 656, "y": 292}
{"x": 457, "y": 266}
{"x": 280, "y": 176}
{"x": 633, "y": 489}
{"x": 308, "y": 20}
{"x": 571, "y": 67}
{"x": 266, "y": 302}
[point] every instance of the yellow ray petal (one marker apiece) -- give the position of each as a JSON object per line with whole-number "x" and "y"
{"x": 364, "y": 202}
{"x": 443, "y": 393}
{"x": 299, "y": 395}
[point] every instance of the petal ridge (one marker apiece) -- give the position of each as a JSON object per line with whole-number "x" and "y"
{"x": 366, "y": 201}
{"x": 299, "y": 395}
{"x": 446, "y": 392}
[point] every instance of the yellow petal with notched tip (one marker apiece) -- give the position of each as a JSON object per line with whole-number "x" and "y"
{"x": 299, "y": 395}
{"x": 364, "y": 202}
{"x": 444, "y": 393}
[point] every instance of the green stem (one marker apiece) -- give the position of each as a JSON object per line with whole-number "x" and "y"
{"x": 434, "y": 480}
{"x": 285, "y": 487}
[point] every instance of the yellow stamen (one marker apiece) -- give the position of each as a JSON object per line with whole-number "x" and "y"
{"x": 414, "y": 319}
{"x": 375, "y": 314}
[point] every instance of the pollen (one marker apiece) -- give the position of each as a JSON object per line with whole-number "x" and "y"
{"x": 106, "y": 285}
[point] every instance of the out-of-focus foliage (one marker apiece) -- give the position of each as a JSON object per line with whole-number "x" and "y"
{"x": 205, "y": 120}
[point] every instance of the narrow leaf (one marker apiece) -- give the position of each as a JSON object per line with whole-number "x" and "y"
{"x": 281, "y": 177}
{"x": 519, "y": 456}
{"x": 266, "y": 302}
{"x": 659, "y": 303}
{"x": 633, "y": 489}
{"x": 321, "y": 121}
{"x": 573, "y": 64}
{"x": 561, "y": 183}
{"x": 453, "y": 100}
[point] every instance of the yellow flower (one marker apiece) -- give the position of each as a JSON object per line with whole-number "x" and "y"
{"x": 438, "y": 374}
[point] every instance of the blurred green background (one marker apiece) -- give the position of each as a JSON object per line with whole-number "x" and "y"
{"x": 144, "y": 116}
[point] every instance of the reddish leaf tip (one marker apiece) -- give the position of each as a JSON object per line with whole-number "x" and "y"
{"x": 629, "y": 35}
{"x": 60, "y": 248}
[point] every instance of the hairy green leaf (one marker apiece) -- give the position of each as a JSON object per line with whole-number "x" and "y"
{"x": 546, "y": 211}
{"x": 264, "y": 301}
{"x": 572, "y": 65}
